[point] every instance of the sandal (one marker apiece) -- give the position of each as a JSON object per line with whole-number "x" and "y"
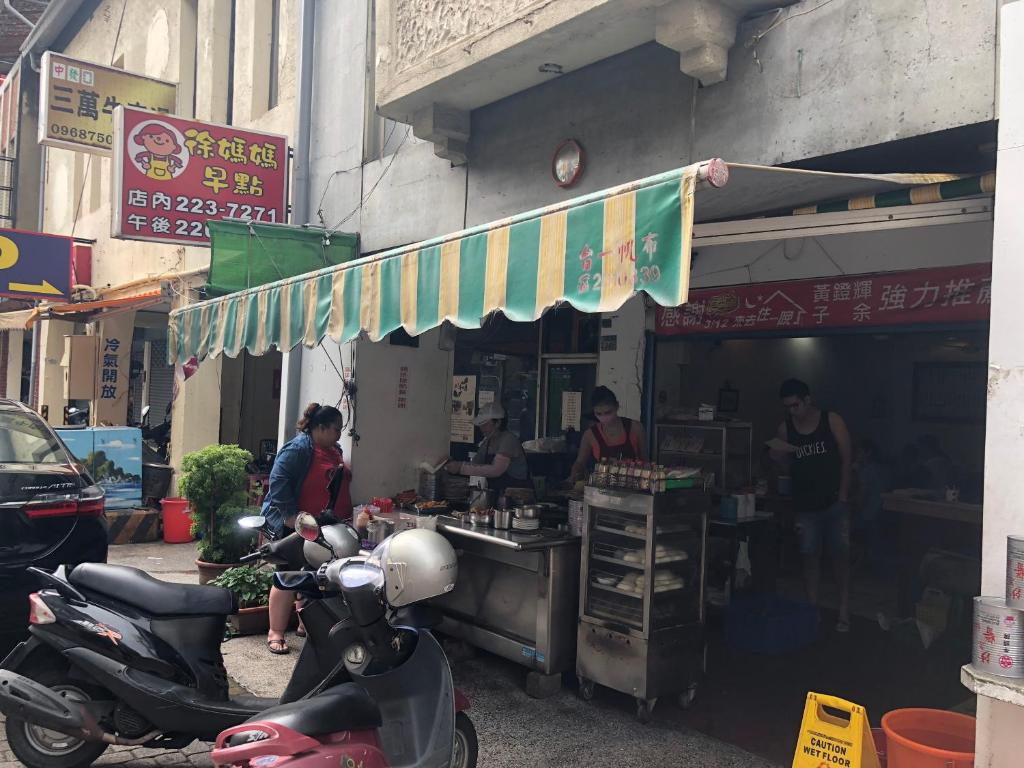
{"x": 278, "y": 646}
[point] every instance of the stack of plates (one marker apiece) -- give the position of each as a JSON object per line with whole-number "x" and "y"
{"x": 522, "y": 524}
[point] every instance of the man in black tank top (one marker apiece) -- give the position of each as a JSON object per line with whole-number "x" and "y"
{"x": 818, "y": 456}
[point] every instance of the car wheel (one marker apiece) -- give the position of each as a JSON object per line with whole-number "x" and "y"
{"x": 466, "y": 745}
{"x": 38, "y": 747}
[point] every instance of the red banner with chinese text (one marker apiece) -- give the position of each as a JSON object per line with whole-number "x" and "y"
{"x": 939, "y": 295}
{"x": 173, "y": 174}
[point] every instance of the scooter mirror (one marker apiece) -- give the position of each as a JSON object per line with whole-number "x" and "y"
{"x": 252, "y": 522}
{"x": 307, "y": 526}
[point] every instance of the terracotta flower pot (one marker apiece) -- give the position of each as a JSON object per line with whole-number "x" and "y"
{"x": 210, "y": 571}
{"x": 251, "y": 621}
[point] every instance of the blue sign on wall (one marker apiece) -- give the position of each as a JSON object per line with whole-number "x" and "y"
{"x": 34, "y": 266}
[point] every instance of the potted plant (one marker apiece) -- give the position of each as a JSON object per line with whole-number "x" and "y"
{"x": 251, "y": 587}
{"x": 214, "y": 480}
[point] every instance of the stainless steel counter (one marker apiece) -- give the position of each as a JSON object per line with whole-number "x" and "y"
{"x": 516, "y": 596}
{"x": 518, "y": 540}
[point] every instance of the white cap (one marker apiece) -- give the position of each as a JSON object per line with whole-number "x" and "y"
{"x": 488, "y": 412}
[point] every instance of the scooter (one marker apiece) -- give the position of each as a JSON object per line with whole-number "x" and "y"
{"x": 137, "y": 661}
{"x": 158, "y": 437}
{"x": 401, "y": 709}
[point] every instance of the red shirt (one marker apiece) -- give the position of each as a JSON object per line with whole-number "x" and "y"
{"x": 314, "y": 496}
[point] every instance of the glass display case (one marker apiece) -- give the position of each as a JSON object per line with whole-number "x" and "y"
{"x": 722, "y": 447}
{"x": 641, "y": 593}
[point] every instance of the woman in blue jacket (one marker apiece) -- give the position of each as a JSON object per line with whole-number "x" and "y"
{"x": 299, "y": 482}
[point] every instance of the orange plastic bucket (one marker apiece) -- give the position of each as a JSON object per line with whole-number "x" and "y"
{"x": 928, "y": 738}
{"x": 177, "y": 523}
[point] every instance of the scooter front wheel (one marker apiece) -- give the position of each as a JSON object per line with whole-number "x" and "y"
{"x": 466, "y": 745}
{"x": 38, "y": 747}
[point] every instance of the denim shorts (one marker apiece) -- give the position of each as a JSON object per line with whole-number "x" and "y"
{"x": 831, "y": 525}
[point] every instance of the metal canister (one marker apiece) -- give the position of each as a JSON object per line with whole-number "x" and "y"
{"x": 998, "y": 637}
{"x": 503, "y": 519}
{"x": 378, "y": 529}
{"x": 1015, "y": 571}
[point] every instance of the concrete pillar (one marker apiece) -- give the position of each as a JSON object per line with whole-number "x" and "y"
{"x": 15, "y": 342}
{"x": 195, "y": 414}
{"x": 1000, "y": 725}
{"x": 212, "y": 55}
{"x": 50, "y": 378}
{"x": 622, "y": 369}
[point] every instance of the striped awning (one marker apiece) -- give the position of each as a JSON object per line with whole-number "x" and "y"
{"x": 593, "y": 252}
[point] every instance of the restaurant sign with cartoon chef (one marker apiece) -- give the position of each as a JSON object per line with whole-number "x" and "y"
{"x": 172, "y": 175}
{"x": 78, "y": 99}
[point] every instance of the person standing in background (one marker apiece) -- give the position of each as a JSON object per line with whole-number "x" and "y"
{"x": 814, "y": 445}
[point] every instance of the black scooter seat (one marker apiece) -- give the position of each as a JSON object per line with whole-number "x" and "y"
{"x": 152, "y": 596}
{"x": 346, "y": 707}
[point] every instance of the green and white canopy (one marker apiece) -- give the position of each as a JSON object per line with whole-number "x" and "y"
{"x": 593, "y": 252}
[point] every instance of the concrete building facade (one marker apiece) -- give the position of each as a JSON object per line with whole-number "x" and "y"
{"x": 234, "y": 62}
{"x": 805, "y": 82}
{"x": 429, "y": 117}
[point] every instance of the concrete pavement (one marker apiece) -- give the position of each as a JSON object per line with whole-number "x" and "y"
{"x": 514, "y": 730}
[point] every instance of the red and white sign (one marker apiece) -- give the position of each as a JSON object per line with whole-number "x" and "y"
{"x": 172, "y": 175}
{"x": 940, "y": 295}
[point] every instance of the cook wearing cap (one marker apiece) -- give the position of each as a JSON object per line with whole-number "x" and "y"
{"x": 500, "y": 457}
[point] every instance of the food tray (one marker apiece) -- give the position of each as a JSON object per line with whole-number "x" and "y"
{"x": 431, "y": 508}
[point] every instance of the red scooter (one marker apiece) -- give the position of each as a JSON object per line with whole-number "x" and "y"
{"x": 401, "y": 709}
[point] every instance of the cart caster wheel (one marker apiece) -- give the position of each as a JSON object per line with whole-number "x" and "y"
{"x": 688, "y": 697}
{"x": 643, "y": 711}
{"x": 586, "y": 689}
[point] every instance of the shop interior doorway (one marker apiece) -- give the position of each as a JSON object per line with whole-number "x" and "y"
{"x": 914, "y": 402}
{"x": 250, "y": 404}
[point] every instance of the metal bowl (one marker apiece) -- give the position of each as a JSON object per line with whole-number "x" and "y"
{"x": 481, "y": 518}
{"x": 529, "y": 512}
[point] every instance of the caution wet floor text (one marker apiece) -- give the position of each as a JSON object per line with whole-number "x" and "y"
{"x": 834, "y": 734}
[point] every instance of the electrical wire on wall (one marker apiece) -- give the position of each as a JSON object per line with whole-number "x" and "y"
{"x": 348, "y": 388}
{"x": 332, "y": 230}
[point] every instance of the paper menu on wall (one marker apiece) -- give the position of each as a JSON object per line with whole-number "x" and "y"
{"x": 572, "y": 404}
{"x": 463, "y": 408}
{"x": 486, "y": 396}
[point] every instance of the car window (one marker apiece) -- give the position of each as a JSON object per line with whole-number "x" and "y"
{"x": 24, "y": 440}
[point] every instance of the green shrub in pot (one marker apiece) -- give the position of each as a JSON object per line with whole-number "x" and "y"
{"x": 251, "y": 585}
{"x": 214, "y": 480}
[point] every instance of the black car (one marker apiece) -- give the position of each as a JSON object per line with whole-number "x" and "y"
{"x": 51, "y": 512}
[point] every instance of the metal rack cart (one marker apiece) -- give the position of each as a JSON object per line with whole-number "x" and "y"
{"x": 641, "y": 629}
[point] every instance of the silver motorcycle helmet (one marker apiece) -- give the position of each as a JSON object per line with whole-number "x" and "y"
{"x": 343, "y": 538}
{"x": 417, "y": 564}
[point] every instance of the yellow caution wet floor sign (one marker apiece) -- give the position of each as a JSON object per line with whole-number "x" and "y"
{"x": 836, "y": 737}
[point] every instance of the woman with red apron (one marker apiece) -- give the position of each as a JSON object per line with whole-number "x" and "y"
{"x": 612, "y": 437}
